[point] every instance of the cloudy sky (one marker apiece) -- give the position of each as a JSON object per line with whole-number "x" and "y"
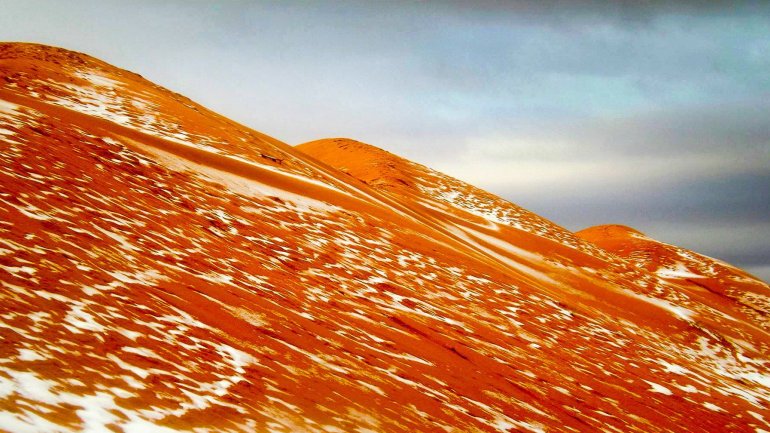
{"x": 654, "y": 116}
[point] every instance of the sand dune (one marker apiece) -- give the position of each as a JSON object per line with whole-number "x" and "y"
{"x": 166, "y": 269}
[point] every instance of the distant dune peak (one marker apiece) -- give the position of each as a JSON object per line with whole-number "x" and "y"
{"x": 372, "y": 165}
{"x": 608, "y": 230}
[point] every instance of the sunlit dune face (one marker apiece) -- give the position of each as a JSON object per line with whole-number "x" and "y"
{"x": 166, "y": 269}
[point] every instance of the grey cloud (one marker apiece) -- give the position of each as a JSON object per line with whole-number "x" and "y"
{"x": 738, "y": 199}
{"x": 733, "y": 129}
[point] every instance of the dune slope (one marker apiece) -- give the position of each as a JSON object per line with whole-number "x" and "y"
{"x": 166, "y": 269}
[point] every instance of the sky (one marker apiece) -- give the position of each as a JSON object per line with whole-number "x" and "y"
{"x": 650, "y": 114}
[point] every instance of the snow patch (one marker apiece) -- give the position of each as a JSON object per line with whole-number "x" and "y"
{"x": 97, "y": 80}
{"x": 30, "y": 355}
{"x": 660, "y": 389}
{"x": 677, "y": 270}
{"x": 8, "y": 107}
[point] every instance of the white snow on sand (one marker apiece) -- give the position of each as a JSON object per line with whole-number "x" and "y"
{"x": 678, "y": 270}
{"x": 660, "y": 389}
{"x": 7, "y": 107}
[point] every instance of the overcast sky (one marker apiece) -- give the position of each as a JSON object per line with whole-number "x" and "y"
{"x": 654, "y": 116}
